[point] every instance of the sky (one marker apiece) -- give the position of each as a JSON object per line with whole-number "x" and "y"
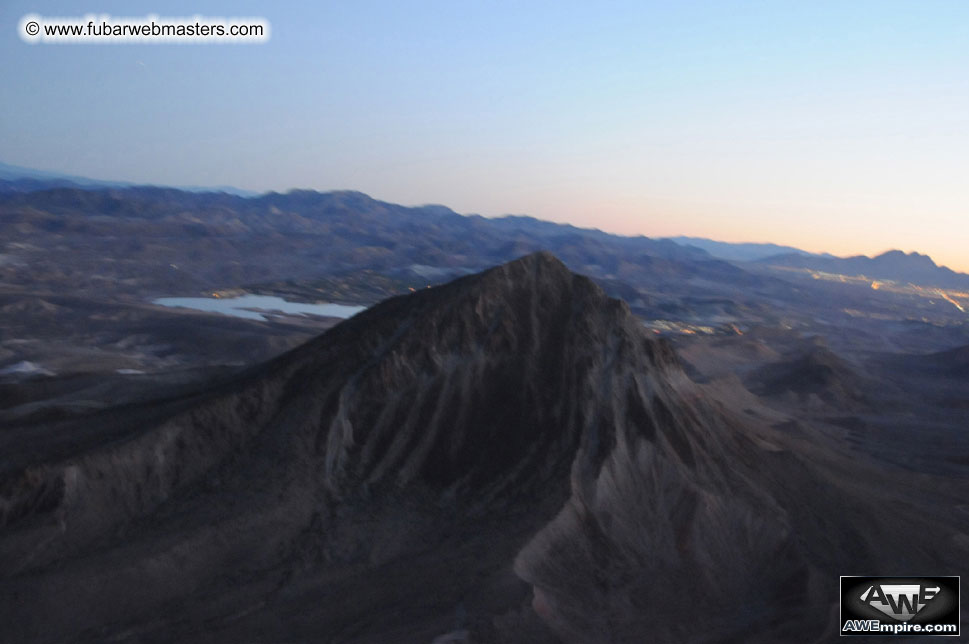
{"x": 827, "y": 125}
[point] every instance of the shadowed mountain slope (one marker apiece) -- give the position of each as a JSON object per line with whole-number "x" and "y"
{"x": 378, "y": 483}
{"x": 816, "y": 371}
{"x": 953, "y": 363}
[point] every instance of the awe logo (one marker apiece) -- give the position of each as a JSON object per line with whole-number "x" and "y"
{"x": 899, "y": 601}
{"x": 899, "y": 606}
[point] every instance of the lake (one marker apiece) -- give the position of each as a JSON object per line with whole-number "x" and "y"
{"x": 258, "y": 307}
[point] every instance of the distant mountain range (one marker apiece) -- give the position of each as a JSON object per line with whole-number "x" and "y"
{"x": 157, "y": 241}
{"x": 740, "y": 252}
{"x": 352, "y": 231}
{"x": 893, "y": 265}
{"x": 15, "y": 178}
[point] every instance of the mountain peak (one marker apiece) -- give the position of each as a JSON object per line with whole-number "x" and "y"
{"x": 541, "y": 265}
{"x": 517, "y": 419}
{"x": 895, "y": 265}
{"x": 896, "y": 254}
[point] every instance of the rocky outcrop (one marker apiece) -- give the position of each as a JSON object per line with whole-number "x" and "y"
{"x": 379, "y": 482}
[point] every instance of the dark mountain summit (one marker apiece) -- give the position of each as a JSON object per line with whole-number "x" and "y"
{"x": 382, "y": 482}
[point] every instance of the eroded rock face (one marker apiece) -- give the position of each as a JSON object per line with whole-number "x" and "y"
{"x": 647, "y": 547}
{"x": 377, "y": 483}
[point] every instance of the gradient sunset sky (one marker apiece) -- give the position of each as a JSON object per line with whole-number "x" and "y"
{"x": 831, "y": 126}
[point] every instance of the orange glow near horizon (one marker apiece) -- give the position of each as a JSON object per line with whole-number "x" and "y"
{"x": 839, "y": 231}
{"x": 944, "y": 252}
{"x": 833, "y": 127}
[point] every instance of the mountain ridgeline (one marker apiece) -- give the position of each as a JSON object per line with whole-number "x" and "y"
{"x": 508, "y": 458}
{"x": 892, "y": 265}
{"x": 144, "y": 240}
{"x": 159, "y": 241}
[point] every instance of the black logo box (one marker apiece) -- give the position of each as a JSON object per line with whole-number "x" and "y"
{"x": 941, "y": 608}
